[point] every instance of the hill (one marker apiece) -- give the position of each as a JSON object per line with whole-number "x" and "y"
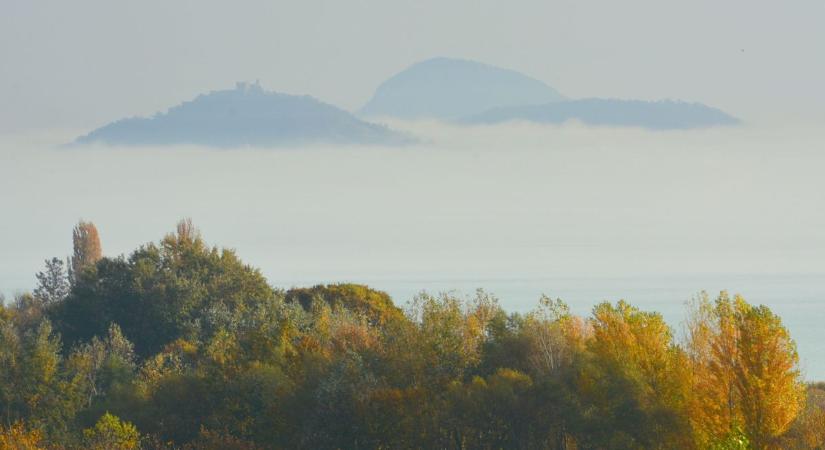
{"x": 246, "y": 116}
{"x": 659, "y": 115}
{"x": 444, "y": 88}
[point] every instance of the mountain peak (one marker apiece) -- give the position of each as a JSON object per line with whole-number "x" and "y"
{"x": 449, "y": 88}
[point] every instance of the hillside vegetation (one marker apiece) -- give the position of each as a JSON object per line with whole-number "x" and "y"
{"x": 180, "y": 345}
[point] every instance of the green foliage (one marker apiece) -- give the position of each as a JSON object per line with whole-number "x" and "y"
{"x": 193, "y": 348}
{"x": 178, "y": 289}
{"x": 33, "y": 383}
{"x": 52, "y": 283}
{"x": 734, "y": 440}
{"x": 110, "y": 433}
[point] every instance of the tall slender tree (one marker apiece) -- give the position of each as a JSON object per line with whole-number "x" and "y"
{"x": 87, "y": 250}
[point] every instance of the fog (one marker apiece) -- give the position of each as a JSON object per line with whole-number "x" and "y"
{"x": 504, "y": 201}
{"x": 586, "y": 213}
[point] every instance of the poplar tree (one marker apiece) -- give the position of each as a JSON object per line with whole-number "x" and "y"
{"x": 746, "y": 372}
{"x": 86, "y": 245}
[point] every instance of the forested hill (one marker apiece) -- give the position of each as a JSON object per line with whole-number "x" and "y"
{"x": 247, "y": 116}
{"x": 181, "y": 345}
{"x": 661, "y": 115}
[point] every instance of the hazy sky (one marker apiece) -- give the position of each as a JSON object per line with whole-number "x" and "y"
{"x": 502, "y": 201}
{"x": 82, "y": 63}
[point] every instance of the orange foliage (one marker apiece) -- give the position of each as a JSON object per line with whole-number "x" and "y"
{"x": 16, "y": 437}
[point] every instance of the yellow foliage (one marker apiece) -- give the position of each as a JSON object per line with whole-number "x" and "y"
{"x": 16, "y": 437}
{"x": 745, "y": 371}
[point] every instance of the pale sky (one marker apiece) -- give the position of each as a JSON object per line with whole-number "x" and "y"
{"x": 82, "y": 63}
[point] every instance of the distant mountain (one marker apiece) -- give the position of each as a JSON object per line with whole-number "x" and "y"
{"x": 443, "y": 88}
{"x": 661, "y": 115}
{"x": 246, "y": 116}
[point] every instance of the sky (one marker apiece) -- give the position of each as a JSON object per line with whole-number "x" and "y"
{"x": 80, "y": 64}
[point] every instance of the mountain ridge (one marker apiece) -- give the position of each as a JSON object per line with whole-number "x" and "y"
{"x": 654, "y": 115}
{"x": 247, "y": 115}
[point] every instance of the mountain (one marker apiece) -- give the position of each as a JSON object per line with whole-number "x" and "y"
{"x": 246, "y": 116}
{"x": 444, "y": 88}
{"x": 660, "y": 115}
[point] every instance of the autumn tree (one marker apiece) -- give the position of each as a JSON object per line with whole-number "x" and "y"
{"x": 808, "y": 430}
{"x": 86, "y": 248}
{"x": 17, "y": 437}
{"x": 746, "y": 374}
{"x": 375, "y": 305}
{"x": 193, "y": 347}
{"x": 449, "y": 334}
{"x": 633, "y": 381}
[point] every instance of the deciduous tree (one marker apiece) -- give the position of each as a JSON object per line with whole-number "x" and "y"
{"x": 86, "y": 248}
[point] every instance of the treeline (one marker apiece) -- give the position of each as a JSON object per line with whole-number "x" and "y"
{"x": 183, "y": 346}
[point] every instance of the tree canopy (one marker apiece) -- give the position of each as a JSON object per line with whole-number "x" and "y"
{"x": 181, "y": 345}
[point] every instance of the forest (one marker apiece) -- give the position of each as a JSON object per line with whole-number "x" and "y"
{"x": 181, "y": 345}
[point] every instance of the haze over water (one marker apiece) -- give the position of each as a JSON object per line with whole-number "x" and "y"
{"x": 585, "y": 214}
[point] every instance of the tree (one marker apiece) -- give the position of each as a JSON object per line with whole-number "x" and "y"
{"x": 808, "y": 431}
{"x": 222, "y": 360}
{"x": 110, "y": 433}
{"x": 52, "y": 283}
{"x": 375, "y": 305}
{"x": 33, "y": 384}
{"x": 102, "y": 364}
{"x": 180, "y": 288}
{"x": 746, "y": 373}
{"x": 86, "y": 248}
{"x": 211, "y": 440}
{"x": 634, "y": 381}
{"x": 448, "y": 336}
{"x": 494, "y": 412}
{"x": 17, "y": 437}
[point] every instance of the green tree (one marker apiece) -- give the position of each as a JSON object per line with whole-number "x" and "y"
{"x": 111, "y": 433}
{"x": 178, "y": 289}
{"x": 103, "y": 364}
{"x": 34, "y": 386}
{"x": 52, "y": 283}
